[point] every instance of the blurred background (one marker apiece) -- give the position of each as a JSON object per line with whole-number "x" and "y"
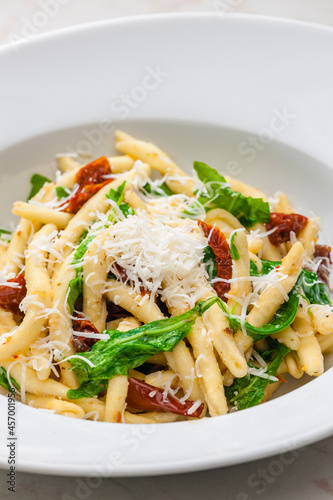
{"x": 310, "y": 475}
{"x": 24, "y": 18}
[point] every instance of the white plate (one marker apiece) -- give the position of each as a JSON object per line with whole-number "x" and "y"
{"x": 215, "y": 80}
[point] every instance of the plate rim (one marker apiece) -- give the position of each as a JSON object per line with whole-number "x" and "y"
{"x": 138, "y": 18}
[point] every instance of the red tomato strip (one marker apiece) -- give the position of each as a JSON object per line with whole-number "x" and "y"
{"x": 10, "y": 297}
{"x": 146, "y": 397}
{"x": 90, "y": 180}
{"x": 284, "y": 224}
{"x": 81, "y": 324}
{"x": 220, "y": 247}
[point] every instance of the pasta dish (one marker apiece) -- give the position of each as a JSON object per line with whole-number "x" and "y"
{"x": 131, "y": 292}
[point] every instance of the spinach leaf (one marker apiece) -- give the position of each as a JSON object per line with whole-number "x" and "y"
{"x": 75, "y": 291}
{"x": 267, "y": 267}
{"x": 75, "y": 286}
{"x": 208, "y": 174}
{"x": 126, "y": 209}
{"x": 62, "y": 192}
{"x": 37, "y": 181}
{"x": 217, "y": 194}
{"x": 88, "y": 390}
{"x": 249, "y": 391}
{"x": 5, "y": 234}
{"x": 117, "y": 196}
{"x": 281, "y": 320}
{"x": 210, "y": 262}
{"x": 81, "y": 250}
{"x": 128, "y": 350}
{"x": 4, "y": 382}
{"x": 315, "y": 291}
{"x": 160, "y": 190}
{"x": 233, "y": 249}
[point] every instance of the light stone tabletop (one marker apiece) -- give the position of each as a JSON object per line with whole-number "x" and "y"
{"x": 305, "y": 474}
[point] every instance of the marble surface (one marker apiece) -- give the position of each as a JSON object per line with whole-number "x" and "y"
{"x": 308, "y": 475}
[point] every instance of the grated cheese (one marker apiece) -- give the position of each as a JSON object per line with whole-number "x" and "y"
{"x": 197, "y": 361}
{"x": 162, "y": 257}
{"x": 194, "y": 407}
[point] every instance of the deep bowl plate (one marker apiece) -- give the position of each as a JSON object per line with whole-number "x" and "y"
{"x": 251, "y": 96}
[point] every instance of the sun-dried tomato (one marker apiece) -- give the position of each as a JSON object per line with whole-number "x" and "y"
{"x": 122, "y": 273}
{"x": 323, "y": 252}
{"x": 220, "y": 247}
{"x": 90, "y": 178}
{"x": 115, "y": 312}
{"x": 11, "y": 297}
{"x": 94, "y": 172}
{"x": 284, "y": 224}
{"x": 123, "y": 276}
{"x": 146, "y": 397}
{"x": 81, "y": 324}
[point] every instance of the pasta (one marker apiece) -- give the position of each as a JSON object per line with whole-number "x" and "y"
{"x": 132, "y": 292}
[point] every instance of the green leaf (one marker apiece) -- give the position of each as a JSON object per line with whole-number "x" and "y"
{"x": 217, "y": 194}
{"x": 5, "y": 234}
{"x": 159, "y": 190}
{"x": 88, "y": 390}
{"x": 37, "y": 181}
{"x": 315, "y": 291}
{"x": 209, "y": 261}
{"x": 208, "y": 174}
{"x": 4, "y": 382}
{"x": 126, "y": 209}
{"x": 75, "y": 291}
{"x": 281, "y": 320}
{"x": 128, "y": 350}
{"x": 62, "y": 192}
{"x": 75, "y": 286}
{"x": 233, "y": 249}
{"x": 117, "y": 195}
{"x": 80, "y": 251}
{"x": 267, "y": 267}
{"x": 249, "y": 391}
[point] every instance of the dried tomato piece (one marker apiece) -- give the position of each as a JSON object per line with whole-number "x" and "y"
{"x": 323, "y": 252}
{"x": 220, "y": 247}
{"x": 284, "y": 224}
{"x": 123, "y": 276}
{"x": 90, "y": 178}
{"x": 122, "y": 273}
{"x": 94, "y": 172}
{"x": 116, "y": 312}
{"x": 81, "y": 324}
{"x": 11, "y": 297}
{"x": 146, "y": 397}
{"x": 77, "y": 201}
